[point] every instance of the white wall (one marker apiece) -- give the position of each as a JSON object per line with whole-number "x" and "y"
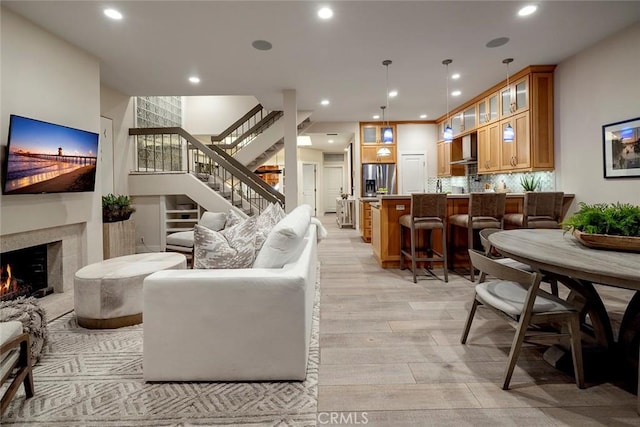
{"x": 211, "y": 115}
{"x": 417, "y": 139}
{"x": 597, "y": 86}
{"x": 120, "y": 108}
{"x": 45, "y": 78}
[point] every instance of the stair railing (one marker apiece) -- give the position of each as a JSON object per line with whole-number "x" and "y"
{"x": 245, "y": 129}
{"x": 174, "y": 149}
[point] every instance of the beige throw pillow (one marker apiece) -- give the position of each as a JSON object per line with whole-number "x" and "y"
{"x": 232, "y": 247}
{"x": 266, "y": 221}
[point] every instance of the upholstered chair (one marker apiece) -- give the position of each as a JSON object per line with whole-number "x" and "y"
{"x": 15, "y": 352}
{"x": 516, "y": 295}
{"x": 428, "y": 213}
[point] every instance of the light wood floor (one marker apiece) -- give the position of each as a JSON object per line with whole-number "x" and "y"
{"x": 391, "y": 349}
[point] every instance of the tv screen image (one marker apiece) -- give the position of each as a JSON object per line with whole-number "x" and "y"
{"x": 49, "y": 158}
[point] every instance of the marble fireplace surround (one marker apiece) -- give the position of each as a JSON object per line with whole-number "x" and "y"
{"x": 64, "y": 251}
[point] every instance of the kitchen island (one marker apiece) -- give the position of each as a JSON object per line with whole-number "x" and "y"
{"x": 386, "y": 211}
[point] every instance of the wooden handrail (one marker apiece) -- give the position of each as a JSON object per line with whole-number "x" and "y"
{"x": 254, "y": 128}
{"x": 236, "y": 124}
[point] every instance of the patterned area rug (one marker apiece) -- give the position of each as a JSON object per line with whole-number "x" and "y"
{"x": 94, "y": 378}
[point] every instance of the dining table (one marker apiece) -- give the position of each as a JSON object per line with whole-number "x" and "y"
{"x": 558, "y": 254}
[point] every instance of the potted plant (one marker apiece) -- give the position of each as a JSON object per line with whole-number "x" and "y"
{"x": 116, "y": 208}
{"x": 529, "y": 183}
{"x": 118, "y": 231}
{"x": 606, "y": 226}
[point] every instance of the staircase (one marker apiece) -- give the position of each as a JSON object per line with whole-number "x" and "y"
{"x": 170, "y": 150}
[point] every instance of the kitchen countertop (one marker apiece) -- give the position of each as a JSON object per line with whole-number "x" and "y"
{"x": 449, "y": 196}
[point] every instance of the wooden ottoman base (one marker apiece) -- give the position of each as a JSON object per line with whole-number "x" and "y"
{"x": 116, "y": 322}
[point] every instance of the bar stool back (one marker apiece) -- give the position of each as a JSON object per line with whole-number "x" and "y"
{"x": 486, "y": 210}
{"x": 540, "y": 210}
{"x": 428, "y": 212}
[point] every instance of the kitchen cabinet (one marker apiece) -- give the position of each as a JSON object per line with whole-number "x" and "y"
{"x": 373, "y": 137}
{"x": 516, "y": 155}
{"x": 448, "y": 152}
{"x": 488, "y": 109}
{"x": 515, "y": 98}
{"x": 370, "y": 154}
{"x": 489, "y": 144}
{"x": 456, "y": 123}
{"x": 469, "y": 119}
{"x": 377, "y": 133}
{"x": 365, "y": 220}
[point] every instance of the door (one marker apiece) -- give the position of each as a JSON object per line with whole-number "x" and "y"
{"x": 332, "y": 187}
{"x": 412, "y": 173}
{"x": 309, "y": 185}
{"x": 105, "y": 166}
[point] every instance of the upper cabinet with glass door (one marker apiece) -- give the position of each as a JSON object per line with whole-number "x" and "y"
{"x": 488, "y": 109}
{"x": 378, "y": 133}
{"x": 469, "y": 119}
{"x": 515, "y": 98}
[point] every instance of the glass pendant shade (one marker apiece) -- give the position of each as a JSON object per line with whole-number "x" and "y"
{"x": 383, "y": 152}
{"x": 447, "y": 134}
{"x": 508, "y": 134}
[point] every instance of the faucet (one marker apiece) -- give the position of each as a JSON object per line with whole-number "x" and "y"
{"x": 438, "y": 186}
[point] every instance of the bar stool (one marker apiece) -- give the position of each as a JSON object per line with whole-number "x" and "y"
{"x": 428, "y": 212}
{"x": 486, "y": 210}
{"x": 539, "y": 210}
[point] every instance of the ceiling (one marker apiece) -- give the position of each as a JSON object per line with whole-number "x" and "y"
{"x": 159, "y": 44}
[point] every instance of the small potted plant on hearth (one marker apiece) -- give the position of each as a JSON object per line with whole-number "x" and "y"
{"x": 116, "y": 208}
{"x": 118, "y": 230}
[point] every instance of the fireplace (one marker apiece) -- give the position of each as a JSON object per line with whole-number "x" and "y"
{"x": 24, "y": 272}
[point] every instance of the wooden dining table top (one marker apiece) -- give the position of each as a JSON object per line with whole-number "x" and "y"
{"x": 560, "y": 252}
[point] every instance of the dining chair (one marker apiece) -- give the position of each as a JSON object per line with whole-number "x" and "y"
{"x": 428, "y": 213}
{"x": 516, "y": 295}
{"x": 539, "y": 210}
{"x": 15, "y": 352}
{"x": 486, "y": 210}
{"x": 489, "y": 252}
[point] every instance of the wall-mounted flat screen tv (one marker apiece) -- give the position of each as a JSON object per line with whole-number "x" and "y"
{"x": 49, "y": 158}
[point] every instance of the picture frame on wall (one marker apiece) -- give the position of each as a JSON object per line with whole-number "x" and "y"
{"x": 621, "y": 149}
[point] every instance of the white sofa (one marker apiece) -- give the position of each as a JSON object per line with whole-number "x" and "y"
{"x": 250, "y": 324}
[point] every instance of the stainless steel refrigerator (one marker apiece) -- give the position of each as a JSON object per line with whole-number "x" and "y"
{"x": 378, "y": 179}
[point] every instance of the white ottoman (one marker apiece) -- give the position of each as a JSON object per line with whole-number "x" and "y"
{"x": 108, "y": 294}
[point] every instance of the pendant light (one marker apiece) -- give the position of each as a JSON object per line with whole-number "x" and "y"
{"x": 387, "y": 133}
{"x": 508, "y": 135}
{"x": 448, "y": 132}
{"x": 383, "y": 151}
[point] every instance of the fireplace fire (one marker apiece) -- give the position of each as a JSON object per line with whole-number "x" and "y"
{"x": 24, "y": 273}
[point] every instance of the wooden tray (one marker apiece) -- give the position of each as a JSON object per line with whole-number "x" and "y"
{"x": 605, "y": 241}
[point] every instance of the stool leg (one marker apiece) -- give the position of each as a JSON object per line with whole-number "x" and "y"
{"x": 470, "y": 246}
{"x": 413, "y": 254}
{"x": 444, "y": 253}
{"x": 401, "y": 247}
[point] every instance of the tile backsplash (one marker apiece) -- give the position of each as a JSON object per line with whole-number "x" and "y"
{"x": 476, "y": 183}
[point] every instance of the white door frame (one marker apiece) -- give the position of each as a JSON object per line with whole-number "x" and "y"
{"x": 316, "y": 166}
{"x": 325, "y": 202}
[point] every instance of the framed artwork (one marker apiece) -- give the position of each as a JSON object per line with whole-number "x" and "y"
{"x": 621, "y": 149}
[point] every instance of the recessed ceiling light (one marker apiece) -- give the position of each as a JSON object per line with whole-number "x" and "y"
{"x": 393, "y": 93}
{"x": 325, "y": 13}
{"x": 194, "y": 79}
{"x": 113, "y": 14}
{"x": 455, "y": 76}
{"x": 456, "y": 93}
{"x": 423, "y": 116}
{"x": 497, "y": 42}
{"x": 527, "y": 10}
{"x": 325, "y": 102}
{"x": 261, "y": 45}
{"x": 330, "y": 141}
{"x": 376, "y": 117}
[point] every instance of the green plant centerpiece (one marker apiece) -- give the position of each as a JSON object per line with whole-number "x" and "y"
{"x": 116, "y": 208}
{"x": 529, "y": 183}
{"x": 606, "y": 226}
